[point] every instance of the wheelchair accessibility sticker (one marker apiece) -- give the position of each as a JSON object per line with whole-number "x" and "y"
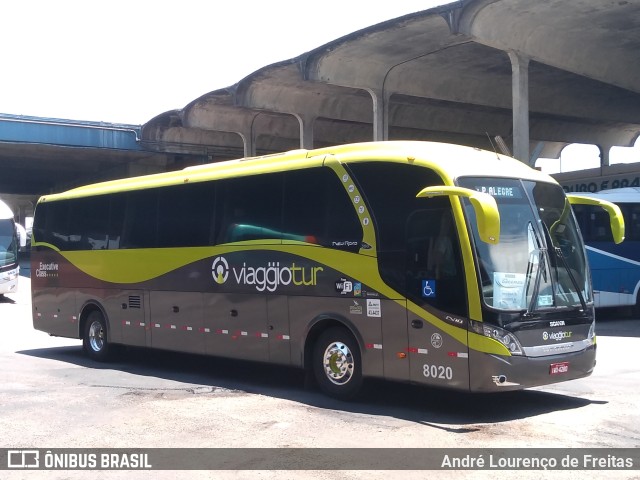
{"x": 428, "y": 288}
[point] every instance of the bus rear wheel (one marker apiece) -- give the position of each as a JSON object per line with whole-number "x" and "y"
{"x": 95, "y": 339}
{"x": 336, "y": 364}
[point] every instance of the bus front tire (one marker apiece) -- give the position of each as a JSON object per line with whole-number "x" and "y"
{"x": 336, "y": 364}
{"x": 95, "y": 339}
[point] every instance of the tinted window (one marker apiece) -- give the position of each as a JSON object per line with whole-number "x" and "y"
{"x": 390, "y": 190}
{"x": 88, "y": 219}
{"x": 140, "y": 219}
{"x": 250, "y": 208}
{"x": 51, "y": 224}
{"x": 185, "y": 215}
{"x": 631, "y": 214}
{"x": 417, "y": 240}
{"x": 117, "y": 210}
{"x": 594, "y": 223}
{"x": 318, "y": 210}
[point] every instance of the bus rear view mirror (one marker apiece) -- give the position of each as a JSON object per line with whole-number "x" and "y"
{"x": 616, "y": 220}
{"x": 484, "y": 205}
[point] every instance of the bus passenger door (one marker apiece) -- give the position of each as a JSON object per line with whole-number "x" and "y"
{"x": 436, "y": 284}
{"x": 394, "y": 341}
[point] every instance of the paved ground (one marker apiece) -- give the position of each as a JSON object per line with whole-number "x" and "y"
{"x": 52, "y": 396}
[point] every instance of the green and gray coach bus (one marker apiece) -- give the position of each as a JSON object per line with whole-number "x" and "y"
{"x": 421, "y": 262}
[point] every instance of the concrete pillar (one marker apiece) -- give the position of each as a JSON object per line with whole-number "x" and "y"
{"x": 248, "y": 136}
{"x": 520, "y": 101}
{"x": 536, "y": 153}
{"x": 380, "y": 114}
{"x": 605, "y": 151}
{"x": 306, "y": 130}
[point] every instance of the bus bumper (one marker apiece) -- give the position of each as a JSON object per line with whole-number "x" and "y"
{"x": 494, "y": 373}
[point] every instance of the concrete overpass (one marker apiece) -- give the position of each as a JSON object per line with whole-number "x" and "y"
{"x": 539, "y": 75}
{"x": 530, "y": 77}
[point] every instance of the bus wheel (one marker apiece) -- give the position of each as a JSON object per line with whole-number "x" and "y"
{"x": 336, "y": 364}
{"x": 94, "y": 341}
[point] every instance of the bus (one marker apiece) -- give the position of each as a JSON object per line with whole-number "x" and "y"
{"x": 9, "y": 268}
{"x": 420, "y": 262}
{"x": 615, "y": 268}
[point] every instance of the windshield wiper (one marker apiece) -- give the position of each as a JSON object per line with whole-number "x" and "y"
{"x": 541, "y": 253}
{"x": 563, "y": 260}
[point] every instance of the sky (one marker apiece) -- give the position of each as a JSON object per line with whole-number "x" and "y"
{"x": 126, "y": 61}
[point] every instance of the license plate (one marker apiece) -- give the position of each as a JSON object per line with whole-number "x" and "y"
{"x": 558, "y": 368}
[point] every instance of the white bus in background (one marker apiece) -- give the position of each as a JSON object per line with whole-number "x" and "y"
{"x": 615, "y": 267}
{"x": 9, "y": 268}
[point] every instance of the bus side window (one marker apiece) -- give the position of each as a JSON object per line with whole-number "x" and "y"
{"x": 318, "y": 210}
{"x": 390, "y": 190}
{"x": 433, "y": 255}
{"x": 88, "y": 224}
{"x": 117, "y": 209}
{"x": 140, "y": 221}
{"x": 53, "y": 224}
{"x": 406, "y": 228}
{"x": 600, "y": 229}
{"x": 632, "y": 220}
{"x": 249, "y": 208}
{"x": 579, "y": 211}
{"x": 185, "y": 215}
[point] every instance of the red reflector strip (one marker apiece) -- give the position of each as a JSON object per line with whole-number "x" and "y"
{"x": 423, "y": 351}
{"x": 458, "y": 354}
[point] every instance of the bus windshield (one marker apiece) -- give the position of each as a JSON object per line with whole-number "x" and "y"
{"x": 539, "y": 262}
{"x": 8, "y": 243}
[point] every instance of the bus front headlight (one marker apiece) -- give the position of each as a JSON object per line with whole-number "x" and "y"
{"x": 506, "y": 338}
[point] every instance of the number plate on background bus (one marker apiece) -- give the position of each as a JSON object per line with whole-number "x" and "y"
{"x": 558, "y": 368}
